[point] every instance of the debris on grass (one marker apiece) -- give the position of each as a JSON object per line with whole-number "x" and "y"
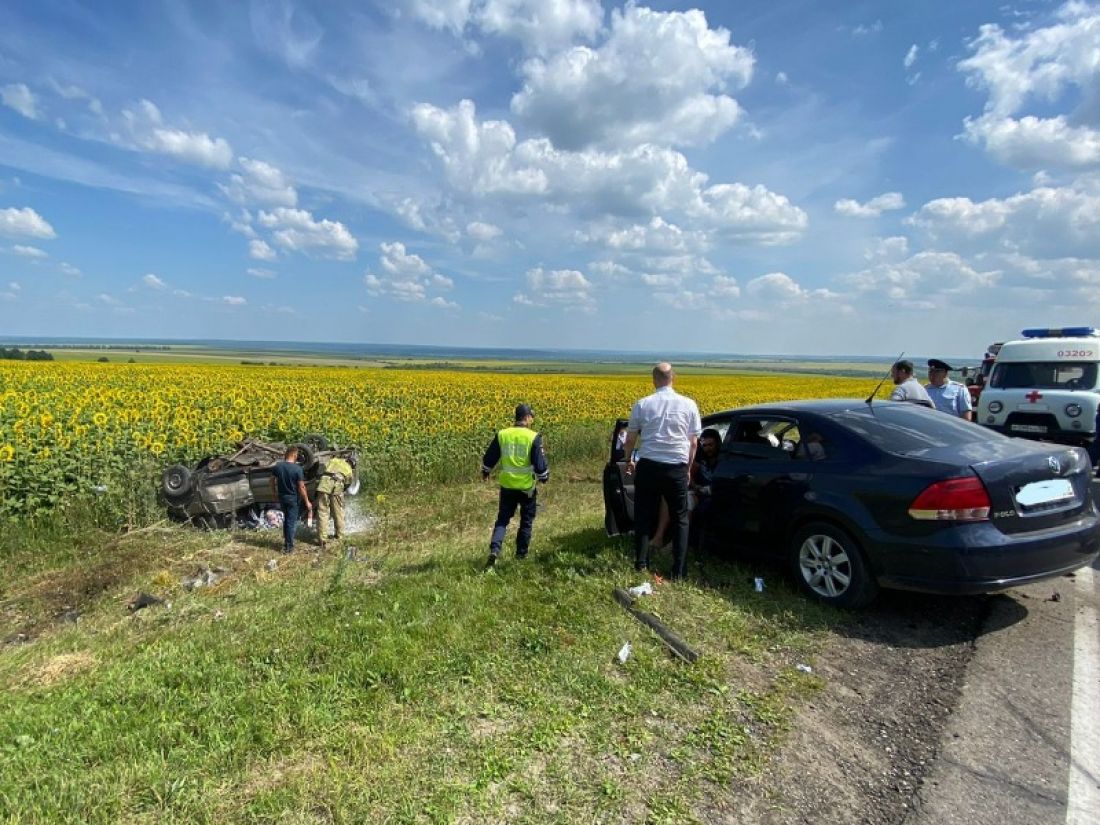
{"x": 643, "y": 589}
{"x": 624, "y": 653}
{"x": 143, "y": 600}
{"x": 674, "y": 642}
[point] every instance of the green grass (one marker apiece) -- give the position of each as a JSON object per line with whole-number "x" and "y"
{"x": 410, "y": 687}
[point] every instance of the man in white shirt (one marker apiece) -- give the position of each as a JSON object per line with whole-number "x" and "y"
{"x": 669, "y": 426}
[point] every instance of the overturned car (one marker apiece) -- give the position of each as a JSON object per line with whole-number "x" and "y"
{"x": 222, "y": 490}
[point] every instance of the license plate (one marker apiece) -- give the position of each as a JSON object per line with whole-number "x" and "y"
{"x": 1028, "y": 428}
{"x": 1045, "y": 492}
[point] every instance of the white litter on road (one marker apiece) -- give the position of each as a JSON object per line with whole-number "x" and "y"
{"x": 1083, "y": 802}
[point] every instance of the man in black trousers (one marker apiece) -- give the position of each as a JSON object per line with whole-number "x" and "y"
{"x": 668, "y": 425}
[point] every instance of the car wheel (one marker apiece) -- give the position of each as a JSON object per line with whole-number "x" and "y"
{"x": 306, "y": 456}
{"x": 176, "y": 482}
{"x": 316, "y": 441}
{"x": 830, "y": 566}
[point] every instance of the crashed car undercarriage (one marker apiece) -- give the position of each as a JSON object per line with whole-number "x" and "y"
{"x": 222, "y": 490}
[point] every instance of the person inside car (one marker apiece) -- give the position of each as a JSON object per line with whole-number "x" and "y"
{"x": 702, "y": 471}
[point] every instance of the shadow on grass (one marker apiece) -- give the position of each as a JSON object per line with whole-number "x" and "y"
{"x": 896, "y": 618}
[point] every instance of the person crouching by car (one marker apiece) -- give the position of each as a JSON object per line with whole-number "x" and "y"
{"x": 522, "y": 460}
{"x": 288, "y": 483}
{"x": 330, "y": 497}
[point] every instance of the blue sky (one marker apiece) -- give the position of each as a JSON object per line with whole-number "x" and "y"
{"x": 773, "y": 177}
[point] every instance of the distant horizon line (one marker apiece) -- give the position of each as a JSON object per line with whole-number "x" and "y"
{"x": 382, "y": 348}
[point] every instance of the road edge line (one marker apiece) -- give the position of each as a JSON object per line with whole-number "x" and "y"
{"x": 1083, "y": 796}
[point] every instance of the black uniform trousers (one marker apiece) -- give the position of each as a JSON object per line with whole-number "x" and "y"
{"x": 654, "y": 480}
{"x": 509, "y": 501}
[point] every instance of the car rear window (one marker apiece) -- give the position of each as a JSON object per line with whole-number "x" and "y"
{"x": 906, "y": 429}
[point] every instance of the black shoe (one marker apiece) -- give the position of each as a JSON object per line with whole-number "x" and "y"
{"x": 286, "y": 551}
{"x": 492, "y": 560}
{"x": 522, "y": 555}
{"x": 640, "y": 566}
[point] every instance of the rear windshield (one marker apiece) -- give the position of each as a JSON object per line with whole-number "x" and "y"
{"x": 905, "y": 429}
{"x": 1044, "y": 375}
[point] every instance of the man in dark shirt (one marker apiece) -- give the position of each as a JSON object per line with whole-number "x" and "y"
{"x": 288, "y": 482}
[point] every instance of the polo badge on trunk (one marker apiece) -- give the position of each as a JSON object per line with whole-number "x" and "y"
{"x": 1055, "y": 465}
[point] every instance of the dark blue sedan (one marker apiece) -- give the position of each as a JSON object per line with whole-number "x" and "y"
{"x": 854, "y": 496}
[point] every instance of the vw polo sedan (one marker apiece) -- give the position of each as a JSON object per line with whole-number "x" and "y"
{"x": 852, "y": 497}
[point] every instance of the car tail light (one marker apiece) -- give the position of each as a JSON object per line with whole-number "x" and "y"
{"x": 957, "y": 499}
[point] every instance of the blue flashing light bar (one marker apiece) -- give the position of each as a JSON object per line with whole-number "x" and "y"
{"x": 1064, "y": 332}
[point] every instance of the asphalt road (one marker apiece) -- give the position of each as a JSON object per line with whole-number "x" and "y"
{"x": 1023, "y": 746}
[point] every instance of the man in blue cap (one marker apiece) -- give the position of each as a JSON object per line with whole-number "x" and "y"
{"x": 948, "y": 396}
{"x": 518, "y": 450}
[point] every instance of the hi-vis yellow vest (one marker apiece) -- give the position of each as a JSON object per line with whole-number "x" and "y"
{"x": 516, "y": 471}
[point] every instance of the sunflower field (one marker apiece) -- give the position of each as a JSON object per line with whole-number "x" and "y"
{"x": 68, "y": 429}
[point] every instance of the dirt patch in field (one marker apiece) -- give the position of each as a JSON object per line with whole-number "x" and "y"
{"x": 859, "y": 750}
{"x": 57, "y": 669}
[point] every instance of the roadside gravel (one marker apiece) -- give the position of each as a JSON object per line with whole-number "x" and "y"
{"x": 860, "y": 748}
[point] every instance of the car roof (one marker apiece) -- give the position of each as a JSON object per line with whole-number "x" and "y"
{"x": 820, "y": 406}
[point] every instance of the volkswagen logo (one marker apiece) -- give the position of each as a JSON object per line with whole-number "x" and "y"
{"x": 1055, "y": 465}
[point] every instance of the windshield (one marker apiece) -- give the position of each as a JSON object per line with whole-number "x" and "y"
{"x": 1044, "y": 375}
{"x": 906, "y": 429}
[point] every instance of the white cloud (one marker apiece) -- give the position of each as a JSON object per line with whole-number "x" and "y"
{"x": 1044, "y": 66}
{"x": 233, "y": 300}
{"x": 257, "y": 272}
{"x": 482, "y": 159}
{"x": 911, "y": 56}
{"x": 109, "y": 300}
{"x": 658, "y": 236}
{"x": 782, "y": 288}
{"x": 29, "y": 252}
{"x": 181, "y": 293}
{"x": 69, "y": 269}
{"x": 442, "y": 303}
{"x": 1047, "y": 221}
{"x": 261, "y": 251}
{"x": 558, "y": 287}
{"x": 153, "y": 282}
{"x": 865, "y": 29}
{"x": 149, "y": 132}
{"x": 405, "y": 276}
{"x": 1031, "y": 142}
{"x": 20, "y": 98}
{"x": 609, "y": 269}
{"x": 260, "y": 182}
{"x": 15, "y": 287}
{"x": 653, "y": 80}
{"x": 296, "y": 230}
{"x": 896, "y": 246}
{"x": 192, "y": 147}
{"x": 480, "y": 231}
{"x": 922, "y": 280}
{"x": 26, "y": 222}
{"x": 8, "y": 296}
{"x": 76, "y": 93}
{"x": 539, "y": 25}
{"x": 872, "y": 208}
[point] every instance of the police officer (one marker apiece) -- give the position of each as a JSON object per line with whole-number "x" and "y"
{"x": 330, "y": 496}
{"x": 522, "y": 460}
{"x": 947, "y": 395}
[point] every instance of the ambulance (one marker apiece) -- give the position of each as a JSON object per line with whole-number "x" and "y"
{"x": 1045, "y": 386}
